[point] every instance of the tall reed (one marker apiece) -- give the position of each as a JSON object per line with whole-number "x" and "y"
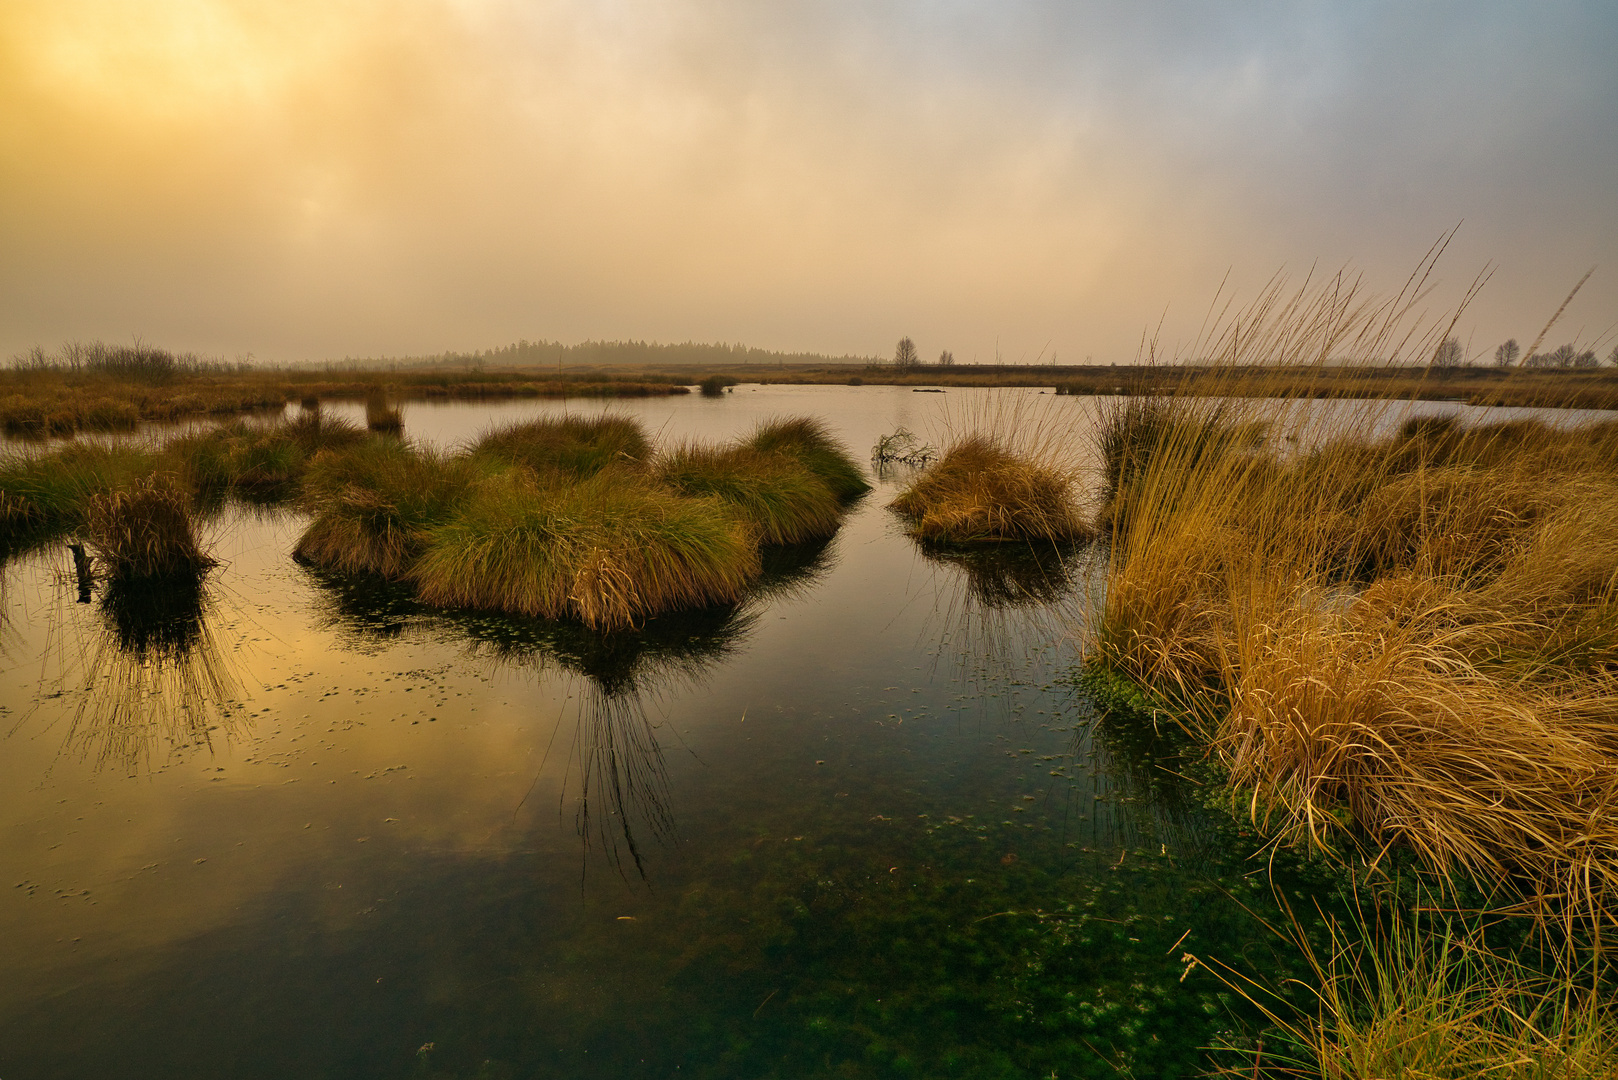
{"x": 1388, "y": 634}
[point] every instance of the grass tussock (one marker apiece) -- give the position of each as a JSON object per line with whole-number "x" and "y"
{"x": 979, "y": 490}
{"x": 573, "y": 446}
{"x": 810, "y": 442}
{"x": 773, "y": 491}
{"x": 382, "y": 418}
{"x": 1401, "y": 999}
{"x": 145, "y": 533}
{"x": 373, "y": 503}
{"x": 608, "y": 551}
{"x": 572, "y": 518}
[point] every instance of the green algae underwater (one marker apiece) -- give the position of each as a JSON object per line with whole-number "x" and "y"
{"x": 861, "y": 824}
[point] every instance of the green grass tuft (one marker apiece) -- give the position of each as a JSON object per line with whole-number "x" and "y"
{"x": 809, "y": 440}
{"x": 572, "y": 445}
{"x": 784, "y": 500}
{"x": 608, "y": 551}
{"x": 372, "y": 503}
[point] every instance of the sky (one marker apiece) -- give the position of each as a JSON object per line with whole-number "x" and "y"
{"x": 315, "y": 179}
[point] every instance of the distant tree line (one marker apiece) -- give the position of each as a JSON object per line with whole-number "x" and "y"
{"x": 526, "y": 353}
{"x": 1563, "y": 356}
{"x": 139, "y": 362}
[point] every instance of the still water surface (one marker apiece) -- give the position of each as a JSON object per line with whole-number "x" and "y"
{"x": 857, "y": 828}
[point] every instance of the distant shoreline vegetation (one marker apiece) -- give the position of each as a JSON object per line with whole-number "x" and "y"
{"x": 100, "y": 387}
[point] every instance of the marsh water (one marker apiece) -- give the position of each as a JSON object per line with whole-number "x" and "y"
{"x": 296, "y": 826}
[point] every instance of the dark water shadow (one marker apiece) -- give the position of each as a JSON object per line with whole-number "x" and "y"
{"x": 622, "y": 681}
{"x": 992, "y": 602}
{"x": 146, "y": 666}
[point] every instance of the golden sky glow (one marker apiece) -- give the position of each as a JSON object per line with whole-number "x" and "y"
{"x": 313, "y": 179}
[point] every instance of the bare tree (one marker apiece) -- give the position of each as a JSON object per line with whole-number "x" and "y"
{"x": 1586, "y": 359}
{"x": 1506, "y": 355}
{"x": 905, "y": 355}
{"x": 1561, "y": 356}
{"x": 1450, "y": 354}
{"x": 1612, "y": 357}
{"x": 946, "y": 358}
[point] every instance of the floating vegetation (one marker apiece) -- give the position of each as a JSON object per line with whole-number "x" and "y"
{"x": 903, "y": 447}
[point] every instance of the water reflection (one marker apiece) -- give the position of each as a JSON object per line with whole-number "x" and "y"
{"x": 147, "y": 669}
{"x": 995, "y": 600}
{"x": 621, "y": 681}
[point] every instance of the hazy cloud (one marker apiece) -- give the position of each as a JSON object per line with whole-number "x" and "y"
{"x": 364, "y": 177}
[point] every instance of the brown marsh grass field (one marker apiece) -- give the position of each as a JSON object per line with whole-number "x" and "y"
{"x": 1392, "y": 640}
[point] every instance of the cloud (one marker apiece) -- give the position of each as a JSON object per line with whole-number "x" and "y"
{"x": 319, "y": 179}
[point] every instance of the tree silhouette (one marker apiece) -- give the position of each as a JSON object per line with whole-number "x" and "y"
{"x": 1506, "y": 355}
{"x": 1450, "y": 354}
{"x": 905, "y": 355}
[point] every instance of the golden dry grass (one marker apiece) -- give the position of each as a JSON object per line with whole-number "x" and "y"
{"x": 144, "y": 532}
{"x": 981, "y": 491}
{"x": 1390, "y": 634}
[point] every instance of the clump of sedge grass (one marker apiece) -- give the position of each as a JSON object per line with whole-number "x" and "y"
{"x": 146, "y": 532}
{"x": 774, "y": 491}
{"x": 981, "y": 491}
{"x": 373, "y": 502}
{"x": 42, "y": 494}
{"x": 1399, "y": 999}
{"x": 380, "y": 417}
{"x": 576, "y": 446}
{"x": 813, "y": 445}
{"x": 608, "y": 551}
